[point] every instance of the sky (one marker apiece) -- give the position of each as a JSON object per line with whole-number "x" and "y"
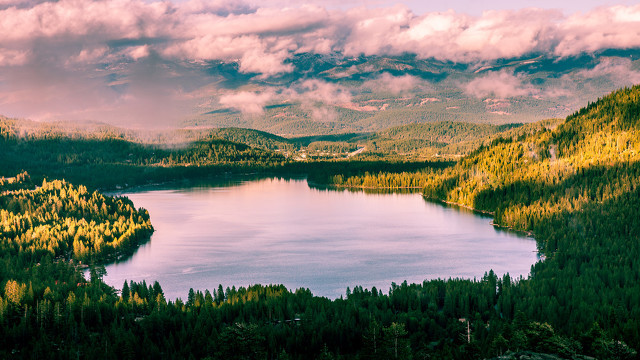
{"x": 126, "y": 60}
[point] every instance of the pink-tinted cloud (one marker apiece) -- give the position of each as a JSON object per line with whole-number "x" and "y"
{"x": 314, "y": 95}
{"x": 318, "y": 91}
{"x": 198, "y": 30}
{"x": 614, "y": 27}
{"x": 9, "y": 57}
{"x": 395, "y": 84}
{"x": 617, "y": 70}
{"x": 85, "y": 21}
{"x": 77, "y": 58}
{"x": 249, "y": 103}
{"x": 499, "y": 84}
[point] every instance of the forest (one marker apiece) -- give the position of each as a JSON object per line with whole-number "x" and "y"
{"x": 576, "y": 188}
{"x": 574, "y": 184}
{"x": 110, "y": 159}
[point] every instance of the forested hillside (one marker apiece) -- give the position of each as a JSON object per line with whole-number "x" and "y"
{"x": 577, "y": 189}
{"x": 414, "y": 137}
{"x": 48, "y": 310}
{"x": 59, "y": 220}
{"x": 104, "y": 158}
{"x": 575, "y": 186}
{"x": 254, "y": 138}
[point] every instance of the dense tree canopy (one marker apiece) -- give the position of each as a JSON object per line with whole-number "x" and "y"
{"x": 575, "y": 186}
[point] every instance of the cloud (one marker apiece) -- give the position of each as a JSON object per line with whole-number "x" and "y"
{"x": 264, "y": 63}
{"x": 9, "y": 57}
{"x": 85, "y": 21}
{"x": 220, "y": 8}
{"x": 395, "y": 84}
{"x": 609, "y": 74}
{"x": 319, "y": 97}
{"x": 313, "y": 90}
{"x": 616, "y": 27}
{"x": 615, "y": 69}
{"x": 249, "y": 103}
{"x": 73, "y": 58}
{"x": 500, "y": 84}
{"x": 312, "y": 94}
{"x": 452, "y": 36}
{"x": 236, "y": 31}
{"x": 146, "y": 95}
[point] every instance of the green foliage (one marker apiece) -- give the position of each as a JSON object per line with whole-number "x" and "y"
{"x": 254, "y": 138}
{"x": 575, "y": 186}
{"x": 362, "y": 173}
{"x": 99, "y": 159}
{"x": 60, "y": 220}
{"x": 432, "y": 137}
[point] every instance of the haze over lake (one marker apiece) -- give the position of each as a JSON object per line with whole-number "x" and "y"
{"x": 279, "y": 231}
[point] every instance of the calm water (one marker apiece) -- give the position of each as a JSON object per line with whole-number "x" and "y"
{"x": 275, "y": 231}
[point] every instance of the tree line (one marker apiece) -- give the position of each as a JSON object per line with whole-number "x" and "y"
{"x": 577, "y": 188}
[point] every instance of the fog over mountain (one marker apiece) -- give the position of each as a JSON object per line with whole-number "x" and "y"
{"x": 325, "y": 69}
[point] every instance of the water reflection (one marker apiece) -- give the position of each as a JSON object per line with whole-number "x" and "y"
{"x": 276, "y": 230}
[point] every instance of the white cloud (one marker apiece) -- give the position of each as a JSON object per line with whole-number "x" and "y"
{"x": 312, "y": 90}
{"x": 314, "y": 95}
{"x": 139, "y": 52}
{"x": 262, "y": 62}
{"x": 239, "y": 32}
{"x": 85, "y": 21}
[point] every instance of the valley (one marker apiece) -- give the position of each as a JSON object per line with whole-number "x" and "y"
{"x": 352, "y": 180}
{"x": 572, "y": 183}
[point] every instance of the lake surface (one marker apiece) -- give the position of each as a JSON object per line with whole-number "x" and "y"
{"x": 280, "y": 231}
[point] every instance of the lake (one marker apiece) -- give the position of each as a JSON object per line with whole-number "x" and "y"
{"x": 281, "y": 231}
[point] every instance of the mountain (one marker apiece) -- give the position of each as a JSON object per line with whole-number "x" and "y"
{"x": 333, "y": 94}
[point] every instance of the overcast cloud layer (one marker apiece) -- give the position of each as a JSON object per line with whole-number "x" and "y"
{"x": 110, "y": 55}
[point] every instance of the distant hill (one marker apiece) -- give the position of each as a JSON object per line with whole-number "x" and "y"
{"x": 436, "y": 136}
{"x": 254, "y": 138}
{"x": 107, "y": 156}
{"x": 606, "y": 133}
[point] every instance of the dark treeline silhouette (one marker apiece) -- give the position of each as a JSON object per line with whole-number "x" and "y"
{"x": 106, "y": 160}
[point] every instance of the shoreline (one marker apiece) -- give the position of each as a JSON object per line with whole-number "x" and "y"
{"x": 451, "y": 203}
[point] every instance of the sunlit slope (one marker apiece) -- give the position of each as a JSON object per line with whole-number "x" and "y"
{"x": 577, "y": 188}
{"x": 573, "y": 163}
{"x": 60, "y": 220}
